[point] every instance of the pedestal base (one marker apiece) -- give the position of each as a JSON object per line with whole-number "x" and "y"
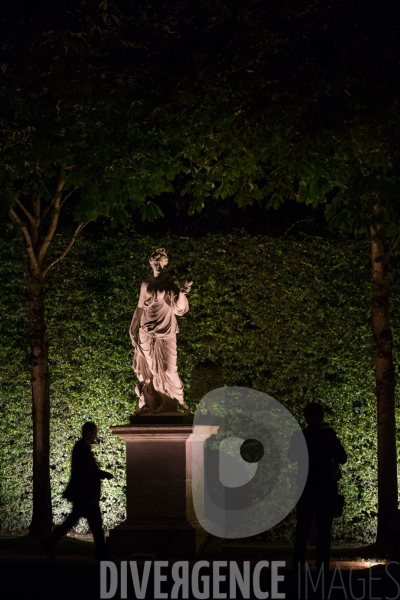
{"x": 165, "y": 418}
{"x": 161, "y": 520}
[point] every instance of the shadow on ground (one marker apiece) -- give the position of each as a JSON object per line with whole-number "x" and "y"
{"x": 355, "y": 573}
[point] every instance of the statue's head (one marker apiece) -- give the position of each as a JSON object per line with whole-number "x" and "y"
{"x": 159, "y": 256}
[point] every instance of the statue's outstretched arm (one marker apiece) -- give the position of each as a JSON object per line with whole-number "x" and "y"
{"x": 181, "y": 302}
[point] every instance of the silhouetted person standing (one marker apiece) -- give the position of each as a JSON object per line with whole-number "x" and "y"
{"x": 84, "y": 491}
{"x": 325, "y": 452}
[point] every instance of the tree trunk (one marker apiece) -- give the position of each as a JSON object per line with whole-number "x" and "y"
{"x": 29, "y": 216}
{"x": 385, "y": 382}
{"x": 41, "y": 523}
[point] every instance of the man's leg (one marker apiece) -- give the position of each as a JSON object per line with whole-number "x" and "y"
{"x": 304, "y": 514}
{"x": 62, "y": 529}
{"x": 323, "y": 514}
{"x": 93, "y": 515}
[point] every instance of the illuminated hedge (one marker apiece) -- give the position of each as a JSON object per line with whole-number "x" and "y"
{"x": 290, "y": 317}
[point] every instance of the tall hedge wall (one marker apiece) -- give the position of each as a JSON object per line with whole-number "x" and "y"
{"x": 287, "y": 316}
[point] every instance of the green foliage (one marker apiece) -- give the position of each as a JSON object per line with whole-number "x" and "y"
{"x": 290, "y": 113}
{"x": 205, "y": 376}
{"x": 289, "y": 317}
{"x": 76, "y": 92}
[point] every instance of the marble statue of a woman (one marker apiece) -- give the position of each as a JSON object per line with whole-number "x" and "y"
{"x": 155, "y": 360}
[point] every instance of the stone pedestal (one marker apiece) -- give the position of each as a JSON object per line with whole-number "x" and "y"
{"x": 160, "y": 515}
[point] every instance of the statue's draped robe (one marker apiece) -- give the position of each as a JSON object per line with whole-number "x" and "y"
{"x": 155, "y": 359}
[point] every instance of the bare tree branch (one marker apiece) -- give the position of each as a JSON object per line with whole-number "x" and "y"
{"x": 48, "y": 207}
{"x": 26, "y": 212}
{"x": 35, "y": 228}
{"x": 28, "y": 242}
{"x": 46, "y": 210}
{"x": 68, "y": 248}
{"x": 67, "y": 196}
{"x": 54, "y": 221}
{"x": 36, "y": 207}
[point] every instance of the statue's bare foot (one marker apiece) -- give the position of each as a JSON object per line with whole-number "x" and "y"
{"x": 185, "y": 409}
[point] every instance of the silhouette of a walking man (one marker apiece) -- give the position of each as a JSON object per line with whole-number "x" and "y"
{"x": 317, "y": 500}
{"x": 83, "y": 490}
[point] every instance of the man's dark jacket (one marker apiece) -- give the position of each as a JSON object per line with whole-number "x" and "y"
{"x": 84, "y": 485}
{"x": 323, "y": 448}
